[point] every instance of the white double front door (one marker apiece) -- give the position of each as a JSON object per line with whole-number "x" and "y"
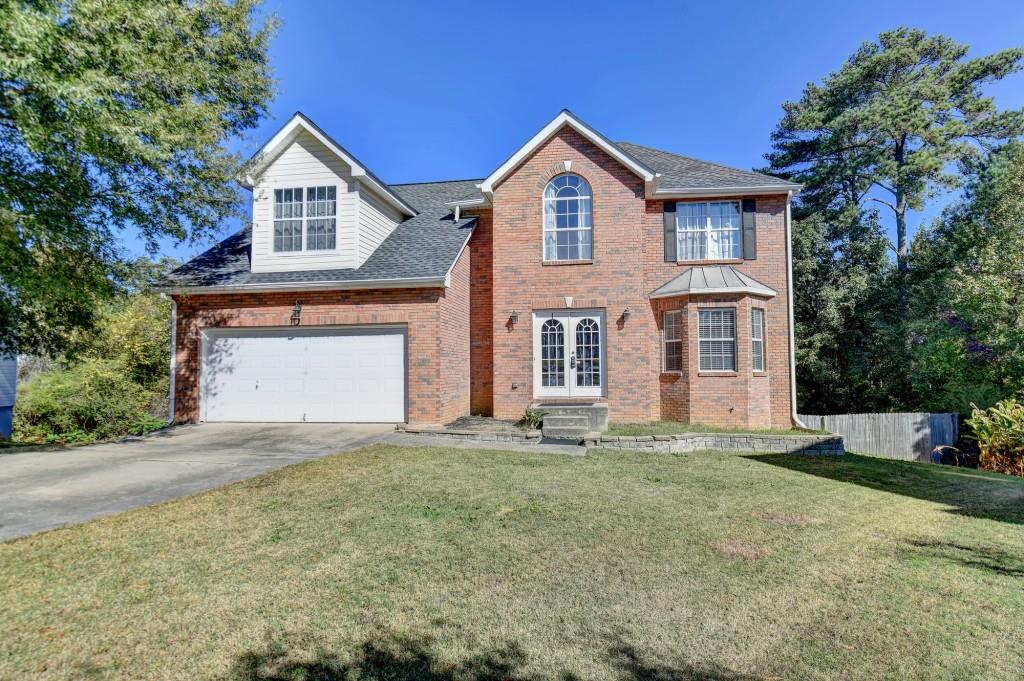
{"x": 569, "y": 353}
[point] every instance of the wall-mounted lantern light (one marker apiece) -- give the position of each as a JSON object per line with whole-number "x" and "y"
{"x": 513, "y": 318}
{"x": 296, "y": 313}
{"x": 625, "y": 314}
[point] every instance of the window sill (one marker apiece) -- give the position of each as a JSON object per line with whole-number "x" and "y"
{"x": 724, "y": 261}
{"x": 760, "y": 374}
{"x": 674, "y": 374}
{"x": 558, "y": 263}
{"x": 718, "y": 374}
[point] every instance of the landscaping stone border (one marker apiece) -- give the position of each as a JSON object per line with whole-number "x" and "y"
{"x": 815, "y": 445}
{"x": 527, "y": 437}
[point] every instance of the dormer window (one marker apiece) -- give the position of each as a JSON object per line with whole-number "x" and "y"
{"x": 309, "y": 225}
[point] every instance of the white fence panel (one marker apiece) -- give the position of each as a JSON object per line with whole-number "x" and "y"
{"x": 904, "y": 436}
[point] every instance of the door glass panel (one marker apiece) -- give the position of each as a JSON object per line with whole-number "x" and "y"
{"x": 588, "y": 353}
{"x": 552, "y": 354}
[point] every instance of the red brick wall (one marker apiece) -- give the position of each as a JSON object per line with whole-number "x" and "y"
{"x": 454, "y": 341}
{"x": 628, "y": 264}
{"x": 419, "y": 309}
{"x": 613, "y": 280}
{"x": 481, "y": 313}
{"x": 675, "y": 386}
{"x": 771, "y": 406}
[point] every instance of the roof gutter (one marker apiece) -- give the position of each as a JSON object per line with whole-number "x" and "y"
{"x": 281, "y": 287}
{"x": 682, "y": 192}
{"x": 792, "y": 327}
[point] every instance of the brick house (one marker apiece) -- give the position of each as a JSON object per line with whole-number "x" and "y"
{"x": 610, "y": 276}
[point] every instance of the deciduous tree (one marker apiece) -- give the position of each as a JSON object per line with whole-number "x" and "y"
{"x": 115, "y": 115}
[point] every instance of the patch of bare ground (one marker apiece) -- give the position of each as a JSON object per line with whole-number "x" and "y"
{"x": 743, "y": 550}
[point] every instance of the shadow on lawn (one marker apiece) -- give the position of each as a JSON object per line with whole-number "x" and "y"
{"x": 988, "y": 559}
{"x": 404, "y": 659}
{"x": 968, "y": 492}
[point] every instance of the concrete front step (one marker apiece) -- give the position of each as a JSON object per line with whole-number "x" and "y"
{"x": 595, "y": 413}
{"x": 566, "y": 421}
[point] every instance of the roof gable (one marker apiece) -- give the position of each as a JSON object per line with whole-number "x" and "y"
{"x": 567, "y": 118}
{"x": 288, "y": 133}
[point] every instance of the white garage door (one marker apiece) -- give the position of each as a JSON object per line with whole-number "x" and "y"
{"x": 309, "y": 374}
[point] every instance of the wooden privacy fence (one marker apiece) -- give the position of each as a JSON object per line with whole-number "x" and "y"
{"x": 906, "y": 436}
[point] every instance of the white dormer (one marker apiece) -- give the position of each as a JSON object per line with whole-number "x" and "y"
{"x": 314, "y": 205}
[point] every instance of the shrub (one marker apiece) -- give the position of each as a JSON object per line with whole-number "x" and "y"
{"x": 999, "y": 431}
{"x": 531, "y": 418}
{"x": 93, "y": 400}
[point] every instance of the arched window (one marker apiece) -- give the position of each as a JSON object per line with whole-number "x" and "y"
{"x": 568, "y": 219}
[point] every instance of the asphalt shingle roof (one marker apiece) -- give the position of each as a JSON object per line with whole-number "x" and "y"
{"x": 683, "y": 172}
{"x": 422, "y": 246}
{"x": 426, "y": 245}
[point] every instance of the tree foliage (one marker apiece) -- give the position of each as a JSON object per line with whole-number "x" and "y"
{"x": 967, "y": 275}
{"x": 116, "y": 381}
{"x": 904, "y": 117}
{"x": 892, "y": 123}
{"x": 114, "y": 115}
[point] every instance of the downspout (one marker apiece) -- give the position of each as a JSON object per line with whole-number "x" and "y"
{"x": 174, "y": 356}
{"x": 792, "y": 327}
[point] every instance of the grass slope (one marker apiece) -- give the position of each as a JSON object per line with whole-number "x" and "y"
{"x": 435, "y": 564}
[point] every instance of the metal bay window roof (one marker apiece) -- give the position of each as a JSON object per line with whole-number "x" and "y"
{"x": 709, "y": 279}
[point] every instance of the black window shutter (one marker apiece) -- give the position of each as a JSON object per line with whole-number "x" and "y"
{"x": 749, "y": 229}
{"x": 670, "y": 231}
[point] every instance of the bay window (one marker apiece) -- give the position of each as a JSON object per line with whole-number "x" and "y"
{"x": 757, "y": 339}
{"x": 716, "y": 333}
{"x": 672, "y": 323}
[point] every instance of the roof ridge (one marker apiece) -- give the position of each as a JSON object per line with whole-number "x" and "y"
{"x": 700, "y": 160}
{"x": 407, "y": 184}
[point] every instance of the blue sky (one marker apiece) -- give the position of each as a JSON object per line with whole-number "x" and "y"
{"x": 425, "y": 91}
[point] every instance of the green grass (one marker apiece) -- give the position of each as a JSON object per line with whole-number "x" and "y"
{"x": 675, "y": 427}
{"x": 440, "y": 564}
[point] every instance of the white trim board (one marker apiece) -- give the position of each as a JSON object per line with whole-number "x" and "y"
{"x": 566, "y": 117}
{"x": 299, "y": 122}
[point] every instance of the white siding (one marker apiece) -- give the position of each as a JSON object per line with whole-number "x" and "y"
{"x": 304, "y": 163}
{"x": 376, "y": 221}
{"x": 8, "y": 379}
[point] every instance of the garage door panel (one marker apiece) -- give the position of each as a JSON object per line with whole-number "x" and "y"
{"x": 307, "y": 375}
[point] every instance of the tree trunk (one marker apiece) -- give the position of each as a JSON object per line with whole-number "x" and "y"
{"x": 901, "y": 208}
{"x": 901, "y": 231}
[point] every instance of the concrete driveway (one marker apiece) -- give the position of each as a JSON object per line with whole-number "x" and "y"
{"x": 45, "y": 489}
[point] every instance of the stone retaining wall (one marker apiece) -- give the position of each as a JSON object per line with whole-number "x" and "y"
{"x": 523, "y": 437}
{"x": 817, "y": 445}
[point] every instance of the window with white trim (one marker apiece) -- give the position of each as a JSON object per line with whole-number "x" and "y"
{"x": 708, "y": 230}
{"x": 757, "y": 339}
{"x": 568, "y": 219}
{"x": 672, "y": 324}
{"x": 309, "y": 225}
{"x": 288, "y": 220}
{"x": 716, "y": 334}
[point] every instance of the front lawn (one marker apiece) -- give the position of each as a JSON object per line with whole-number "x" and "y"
{"x": 675, "y": 427}
{"x": 442, "y": 564}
